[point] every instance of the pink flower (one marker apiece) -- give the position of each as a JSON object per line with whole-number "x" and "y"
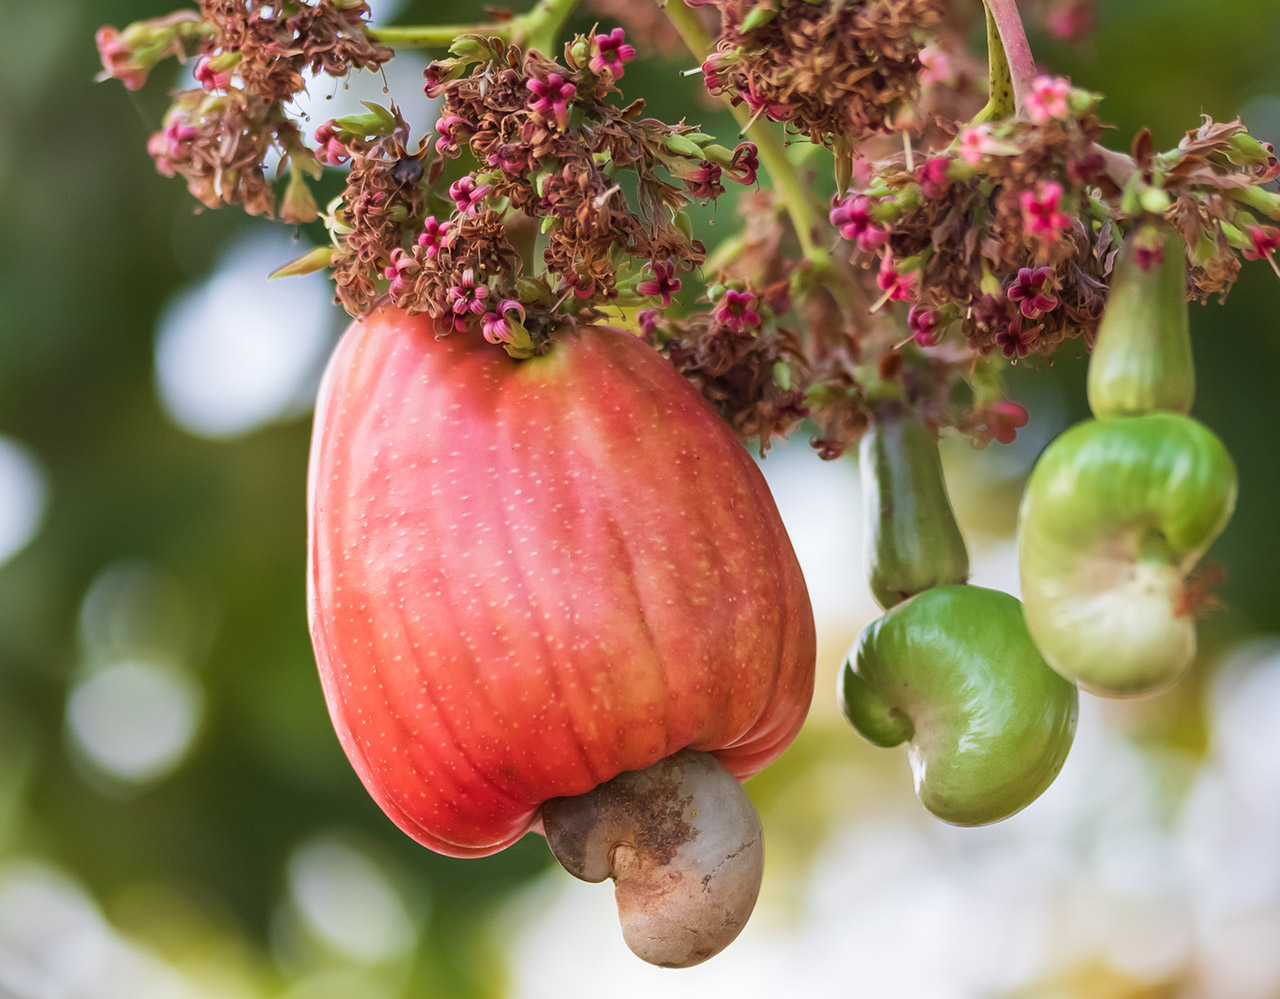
{"x": 852, "y": 216}
{"x": 935, "y": 66}
{"x": 210, "y": 78}
{"x": 552, "y": 94}
{"x": 664, "y": 283}
{"x": 467, "y": 194}
{"x": 932, "y": 176}
{"x": 1004, "y": 419}
{"x": 1013, "y": 340}
{"x": 1262, "y": 242}
{"x": 1029, "y": 290}
{"x": 167, "y": 143}
{"x": 434, "y": 234}
{"x": 648, "y": 320}
{"x": 712, "y": 66}
{"x": 1040, "y": 215}
{"x": 331, "y": 149}
{"x": 760, "y": 104}
{"x": 1048, "y": 99}
{"x": 610, "y": 52}
{"x": 897, "y": 286}
{"x": 702, "y": 181}
{"x": 975, "y": 143}
{"x": 447, "y": 144}
{"x": 118, "y": 60}
{"x": 510, "y": 157}
{"x": 924, "y": 325}
{"x": 466, "y": 296}
{"x": 737, "y": 310}
{"x": 496, "y": 327}
{"x": 400, "y": 272}
{"x": 745, "y": 164}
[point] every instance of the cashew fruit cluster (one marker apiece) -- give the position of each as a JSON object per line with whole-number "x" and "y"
{"x": 529, "y": 579}
{"x": 1120, "y": 508}
{"x": 950, "y": 669}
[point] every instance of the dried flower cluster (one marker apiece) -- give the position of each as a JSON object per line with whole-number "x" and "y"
{"x": 250, "y": 61}
{"x": 553, "y": 152}
{"x": 1010, "y": 231}
{"x": 837, "y": 71}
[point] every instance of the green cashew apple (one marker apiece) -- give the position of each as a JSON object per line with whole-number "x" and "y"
{"x": 1116, "y": 513}
{"x": 1141, "y": 362}
{"x": 913, "y": 541}
{"x": 953, "y": 673}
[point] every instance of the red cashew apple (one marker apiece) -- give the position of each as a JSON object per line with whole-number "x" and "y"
{"x": 527, "y": 578}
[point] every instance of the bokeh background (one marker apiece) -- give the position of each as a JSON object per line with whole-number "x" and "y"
{"x": 177, "y": 820}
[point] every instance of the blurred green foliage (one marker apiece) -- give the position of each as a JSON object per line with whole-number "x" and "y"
{"x": 95, "y": 242}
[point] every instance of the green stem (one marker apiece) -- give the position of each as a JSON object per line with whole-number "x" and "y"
{"x": 773, "y": 154}
{"x": 1005, "y": 24}
{"x": 535, "y": 29}
{"x": 1000, "y": 104}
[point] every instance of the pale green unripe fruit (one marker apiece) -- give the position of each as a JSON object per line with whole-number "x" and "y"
{"x": 1141, "y": 362}
{"x": 1116, "y": 513}
{"x": 954, "y": 674}
{"x": 912, "y": 539}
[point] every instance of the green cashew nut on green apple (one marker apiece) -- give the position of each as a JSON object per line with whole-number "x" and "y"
{"x": 1119, "y": 509}
{"x": 953, "y": 673}
{"x": 912, "y": 539}
{"x": 1116, "y": 513}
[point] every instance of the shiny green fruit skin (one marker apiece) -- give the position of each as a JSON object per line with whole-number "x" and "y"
{"x": 954, "y": 673}
{"x": 913, "y": 541}
{"x": 1116, "y": 513}
{"x": 1141, "y": 362}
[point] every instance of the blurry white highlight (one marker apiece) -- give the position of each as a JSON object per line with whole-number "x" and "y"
{"x": 23, "y": 495}
{"x": 348, "y": 901}
{"x": 237, "y": 351}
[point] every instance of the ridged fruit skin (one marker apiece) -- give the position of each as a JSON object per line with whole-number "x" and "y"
{"x": 913, "y": 541}
{"x": 954, "y": 673}
{"x": 526, "y": 577}
{"x": 1115, "y": 515}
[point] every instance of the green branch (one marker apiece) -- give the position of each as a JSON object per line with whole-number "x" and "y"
{"x": 535, "y": 29}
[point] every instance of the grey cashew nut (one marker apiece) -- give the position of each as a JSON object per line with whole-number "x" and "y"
{"x": 684, "y": 846}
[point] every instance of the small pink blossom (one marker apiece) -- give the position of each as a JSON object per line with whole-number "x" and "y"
{"x": 1040, "y": 215}
{"x": 712, "y": 66}
{"x": 648, "y": 320}
{"x": 210, "y": 78}
{"x": 762, "y": 105}
{"x": 467, "y": 194}
{"x": 1262, "y": 242}
{"x": 1048, "y": 99}
{"x": 898, "y": 286}
{"x": 975, "y": 143}
{"x": 466, "y": 296}
{"x": 1030, "y": 289}
{"x": 331, "y": 149}
{"x": 447, "y": 143}
{"x": 118, "y": 60}
{"x": 702, "y": 181}
{"x": 434, "y": 234}
{"x": 510, "y": 157}
{"x": 400, "y": 272}
{"x": 610, "y": 52}
{"x": 935, "y": 66}
{"x": 552, "y": 94}
{"x": 1004, "y": 419}
{"x": 1013, "y": 340}
{"x": 663, "y": 284}
{"x": 924, "y": 325}
{"x": 745, "y": 164}
{"x": 737, "y": 310}
{"x": 932, "y": 176}
{"x": 852, "y": 216}
{"x": 167, "y": 143}
{"x": 496, "y": 327}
